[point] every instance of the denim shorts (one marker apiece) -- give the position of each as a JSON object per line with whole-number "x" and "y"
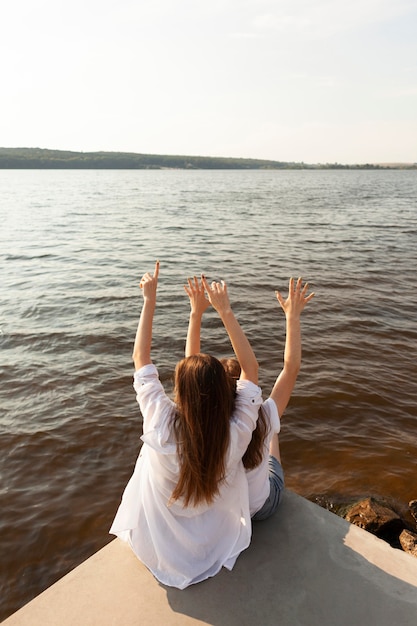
{"x": 276, "y": 483}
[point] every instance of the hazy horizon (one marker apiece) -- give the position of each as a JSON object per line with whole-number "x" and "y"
{"x": 282, "y": 80}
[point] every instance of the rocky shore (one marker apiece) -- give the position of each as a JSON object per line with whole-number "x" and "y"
{"x": 393, "y": 522}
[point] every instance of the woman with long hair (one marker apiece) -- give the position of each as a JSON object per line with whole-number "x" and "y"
{"x": 185, "y": 511}
{"x": 262, "y": 459}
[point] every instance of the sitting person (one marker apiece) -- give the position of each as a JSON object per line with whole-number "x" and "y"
{"x": 185, "y": 510}
{"x": 262, "y": 460}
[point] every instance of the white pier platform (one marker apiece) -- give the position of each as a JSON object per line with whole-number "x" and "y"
{"x": 305, "y": 567}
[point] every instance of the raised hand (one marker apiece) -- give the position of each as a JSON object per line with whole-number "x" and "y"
{"x": 292, "y": 307}
{"x": 196, "y": 292}
{"x": 149, "y": 283}
{"x": 296, "y": 299}
{"x": 143, "y": 340}
{"x": 219, "y": 299}
{"x": 217, "y": 295}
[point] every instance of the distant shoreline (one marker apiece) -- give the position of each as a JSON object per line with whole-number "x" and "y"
{"x": 40, "y": 158}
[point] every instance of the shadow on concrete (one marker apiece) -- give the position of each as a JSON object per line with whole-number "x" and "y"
{"x": 308, "y": 567}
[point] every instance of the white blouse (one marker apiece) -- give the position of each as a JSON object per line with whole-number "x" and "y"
{"x": 184, "y": 545}
{"x": 258, "y": 478}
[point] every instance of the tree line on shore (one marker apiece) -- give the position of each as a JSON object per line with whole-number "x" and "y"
{"x": 39, "y": 158}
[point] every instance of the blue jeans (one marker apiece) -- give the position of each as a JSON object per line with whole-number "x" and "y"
{"x": 276, "y": 483}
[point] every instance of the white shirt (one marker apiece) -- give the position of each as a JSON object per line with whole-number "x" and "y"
{"x": 258, "y": 478}
{"x": 184, "y": 545}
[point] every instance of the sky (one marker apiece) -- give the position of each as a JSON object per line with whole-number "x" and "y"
{"x": 314, "y": 81}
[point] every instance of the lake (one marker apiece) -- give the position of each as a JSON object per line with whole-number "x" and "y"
{"x": 74, "y": 245}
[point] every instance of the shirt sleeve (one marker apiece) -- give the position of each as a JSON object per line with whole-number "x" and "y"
{"x": 156, "y": 408}
{"x": 272, "y": 411}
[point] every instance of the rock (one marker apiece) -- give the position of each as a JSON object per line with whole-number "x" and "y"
{"x": 371, "y": 515}
{"x": 377, "y": 518}
{"x": 385, "y": 518}
{"x": 408, "y": 541}
{"x": 413, "y": 508}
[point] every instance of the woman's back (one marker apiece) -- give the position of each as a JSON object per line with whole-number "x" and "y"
{"x": 185, "y": 510}
{"x": 182, "y": 544}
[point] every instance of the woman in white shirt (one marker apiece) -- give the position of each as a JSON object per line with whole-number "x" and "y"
{"x": 185, "y": 511}
{"x": 262, "y": 459}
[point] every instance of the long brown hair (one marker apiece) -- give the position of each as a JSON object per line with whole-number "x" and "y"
{"x": 254, "y": 452}
{"x": 202, "y": 427}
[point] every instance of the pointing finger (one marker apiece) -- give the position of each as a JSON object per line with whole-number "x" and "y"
{"x": 279, "y": 298}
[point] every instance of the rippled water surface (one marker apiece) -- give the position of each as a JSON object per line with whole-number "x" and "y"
{"x": 73, "y": 246}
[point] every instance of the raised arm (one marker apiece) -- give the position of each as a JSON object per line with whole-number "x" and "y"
{"x": 292, "y": 307}
{"x": 198, "y": 304}
{"x": 219, "y": 299}
{"x": 142, "y": 348}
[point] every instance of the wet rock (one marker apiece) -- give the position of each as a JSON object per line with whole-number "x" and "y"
{"x": 413, "y": 508}
{"x": 371, "y": 515}
{"x": 408, "y": 541}
{"x": 377, "y": 518}
{"x": 334, "y": 503}
{"x": 384, "y": 517}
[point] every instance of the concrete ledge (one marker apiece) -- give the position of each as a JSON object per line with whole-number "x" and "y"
{"x": 305, "y": 567}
